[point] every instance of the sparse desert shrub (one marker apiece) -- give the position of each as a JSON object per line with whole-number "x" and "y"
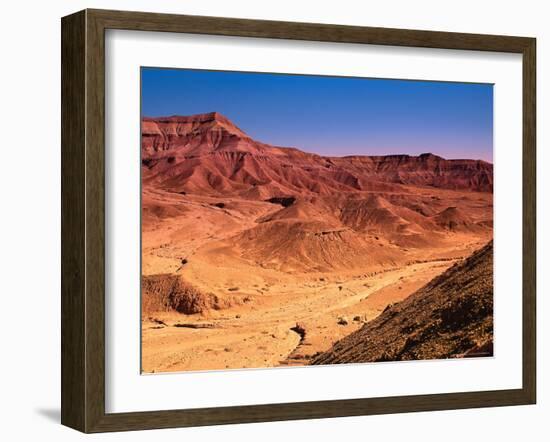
{"x": 300, "y": 330}
{"x": 342, "y": 320}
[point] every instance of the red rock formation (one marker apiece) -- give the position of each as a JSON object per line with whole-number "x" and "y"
{"x": 207, "y": 153}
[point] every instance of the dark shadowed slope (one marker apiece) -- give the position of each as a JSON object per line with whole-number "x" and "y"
{"x": 452, "y": 316}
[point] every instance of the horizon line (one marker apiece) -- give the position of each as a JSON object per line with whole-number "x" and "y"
{"x": 160, "y": 117}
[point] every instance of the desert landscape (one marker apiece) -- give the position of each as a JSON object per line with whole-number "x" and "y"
{"x": 256, "y": 255}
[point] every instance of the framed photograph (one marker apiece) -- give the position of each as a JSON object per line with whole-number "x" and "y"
{"x": 267, "y": 221}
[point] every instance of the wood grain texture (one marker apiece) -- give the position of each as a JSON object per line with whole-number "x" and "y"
{"x": 95, "y": 222}
{"x": 73, "y": 254}
{"x": 143, "y": 21}
{"x": 83, "y": 220}
{"x": 529, "y": 221}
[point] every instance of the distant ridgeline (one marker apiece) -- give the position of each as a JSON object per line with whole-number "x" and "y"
{"x": 207, "y": 153}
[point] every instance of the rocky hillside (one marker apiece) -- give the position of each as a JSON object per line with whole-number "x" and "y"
{"x": 452, "y": 316}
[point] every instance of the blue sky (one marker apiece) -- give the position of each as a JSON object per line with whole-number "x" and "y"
{"x": 333, "y": 115}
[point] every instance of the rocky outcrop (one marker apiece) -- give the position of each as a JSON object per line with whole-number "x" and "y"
{"x": 452, "y": 316}
{"x": 167, "y": 292}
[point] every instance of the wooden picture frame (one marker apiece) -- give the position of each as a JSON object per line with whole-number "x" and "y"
{"x": 83, "y": 220}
